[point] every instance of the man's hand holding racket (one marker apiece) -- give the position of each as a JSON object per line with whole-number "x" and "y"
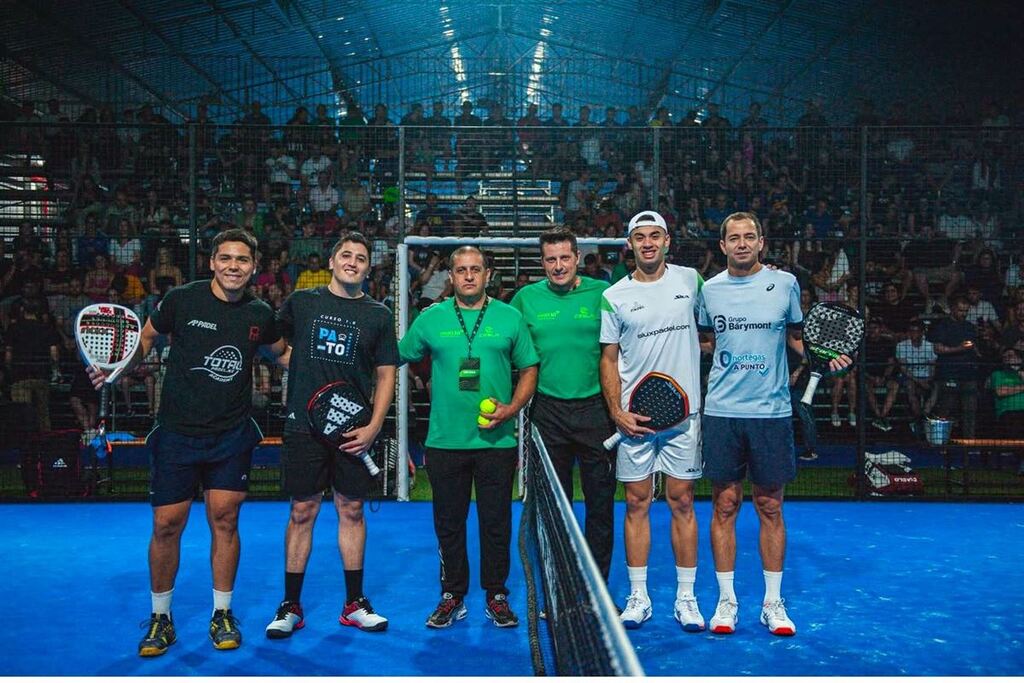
{"x": 359, "y": 439}
{"x": 832, "y": 333}
{"x": 631, "y": 424}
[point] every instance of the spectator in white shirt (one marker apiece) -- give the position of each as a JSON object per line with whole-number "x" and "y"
{"x": 916, "y": 357}
{"x": 324, "y": 198}
{"x": 981, "y": 312}
{"x": 126, "y": 250}
{"x": 316, "y": 164}
{"x": 281, "y": 171}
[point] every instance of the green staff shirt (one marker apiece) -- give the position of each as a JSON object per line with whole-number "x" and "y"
{"x": 1004, "y": 404}
{"x": 565, "y": 328}
{"x": 502, "y": 341}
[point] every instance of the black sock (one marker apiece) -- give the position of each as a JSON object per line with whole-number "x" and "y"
{"x": 293, "y": 585}
{"x": 353, "y": 584}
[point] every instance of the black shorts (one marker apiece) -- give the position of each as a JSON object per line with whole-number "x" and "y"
{"x": 180, "y": 462}
{"x": 765, "y": 445}
{"x": 309, "y": 468}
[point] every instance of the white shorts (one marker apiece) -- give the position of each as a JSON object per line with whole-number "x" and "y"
{"x": 675, "y": 452}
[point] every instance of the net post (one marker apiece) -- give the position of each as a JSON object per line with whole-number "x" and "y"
{"x": 402, "y": 383}
{"x": 521, "y": 429}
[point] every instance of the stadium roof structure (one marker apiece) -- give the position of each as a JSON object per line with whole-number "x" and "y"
{"x": 682, "y": 54}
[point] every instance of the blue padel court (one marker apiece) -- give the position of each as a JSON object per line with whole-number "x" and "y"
{"x": 875, "y": 589}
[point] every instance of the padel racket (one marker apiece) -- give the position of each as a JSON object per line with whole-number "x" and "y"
{"x": 337, "y": 408}
{"x": 830, "y": 330}
{"x": 660, "y": 398}
{"x": 107, "y": 336}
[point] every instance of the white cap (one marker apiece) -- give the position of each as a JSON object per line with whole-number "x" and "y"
{"x": 646, "y": 219}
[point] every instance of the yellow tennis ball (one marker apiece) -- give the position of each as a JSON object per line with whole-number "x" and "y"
{"x": 482, "y": 421}
{"x": 487, "y": 406}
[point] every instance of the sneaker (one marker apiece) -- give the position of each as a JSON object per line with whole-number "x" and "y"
{"x": 159, "y": 635}
{"x": 688, "y": 614}
{"x": 852, "y": 419}
{"x": 500, "y": 613}
{"x": 287, "y": 620}
{"x": 638, "y": 610}
{"x": 886, "y": 425}
{"x": 726, "y": 616}
{"x": 359, "y": 613}
{"x": 878, "y": 423}
{"x": 808, "y": 455}
{"x": 773, "y": 615}
{"x": 224, "y": 630}
{"x": 836, "y": 422}
{"x": 449, "y": 610}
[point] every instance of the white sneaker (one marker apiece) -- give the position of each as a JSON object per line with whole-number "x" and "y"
{"x": 359, "y": 613}
{"x": 836, "y": 422}
{"x": 638, "y": 610}
{"x": 688, "y": 614}
{"x": 773, "y": 615}
{"x": 852, "y": 419}
{"x": 726, "y": 616}
{"x": 287, "y": 620}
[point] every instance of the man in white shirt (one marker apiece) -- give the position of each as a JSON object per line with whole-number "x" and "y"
{"x": 324, "y": 198}
{"x": 317, "y": 163}
{"x": 648, "y": 325}
{"x": 916, "y": 357}
{"x": 281, "y": 171}
{"x": 981, "y": 312}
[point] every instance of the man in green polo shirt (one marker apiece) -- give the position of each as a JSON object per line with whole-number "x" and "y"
{"x": 473, "y": 342}
{"x": 563, "y": 312}
{"x": 1008, "y": 385}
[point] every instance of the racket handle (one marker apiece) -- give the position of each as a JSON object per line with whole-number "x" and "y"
{"x": 104, "y": 401}
{"x": 612, "y": 441}
{"x": 812, "y": 386}
{"x": 371, "y": 466}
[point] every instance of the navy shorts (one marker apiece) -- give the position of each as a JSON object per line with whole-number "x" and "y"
{"x": 181, "y": 462}
{"x": 308, "y": 468}
{"x": 764, "y": 445}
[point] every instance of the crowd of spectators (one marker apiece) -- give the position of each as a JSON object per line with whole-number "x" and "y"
{"x": 940, "y": 207}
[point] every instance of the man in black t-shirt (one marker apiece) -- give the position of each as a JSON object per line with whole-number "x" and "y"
{"x": 336, "y": 333}
{"x": 880, "y": 371}
{"x": 956, "y": 369}
{"x": 204, "y": 432}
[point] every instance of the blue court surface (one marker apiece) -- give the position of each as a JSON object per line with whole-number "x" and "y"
{"x": 875, "y": 589}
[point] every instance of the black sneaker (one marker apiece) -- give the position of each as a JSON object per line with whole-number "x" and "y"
{"x": 500, "y": 613}
{"x": 448, "y": 611}
{"x": 287, "y": 620}
{"x": 224, "y": 630}
{"x": 159, "y": 635}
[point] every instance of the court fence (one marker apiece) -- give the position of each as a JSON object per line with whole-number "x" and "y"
{"x": 906, "y": 223}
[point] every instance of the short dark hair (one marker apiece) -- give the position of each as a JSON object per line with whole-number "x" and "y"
{"x": 741, "y": 216}
{"x": 352, "y": 236}
{"x": 558, "y": 235}
{"x": 235, "y": 235}
{"x": 467, "y": 249}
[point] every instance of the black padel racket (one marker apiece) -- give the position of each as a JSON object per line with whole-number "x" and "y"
{"x": 337, "y": 408}
{"x": 830, "y": 330}
{"x": 107, "y": 336}
{"x": 660, "y": 398}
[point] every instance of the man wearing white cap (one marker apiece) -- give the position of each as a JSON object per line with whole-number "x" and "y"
{"x": 648, "y": 325}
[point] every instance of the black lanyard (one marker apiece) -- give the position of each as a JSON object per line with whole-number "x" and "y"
{"x": 476, "y": 328}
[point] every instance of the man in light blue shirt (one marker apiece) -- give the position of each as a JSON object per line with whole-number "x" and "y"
{"x": 749, "y": 314}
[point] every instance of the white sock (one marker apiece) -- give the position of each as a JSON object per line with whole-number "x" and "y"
{"x": 221, "y": 599}
{"x": 161, "y": 602}
{"x": 725, "y": 587}
{"x": 685, "y": 578}
{"x": 772, "y": 586}
{"x": 638, "y": 580}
